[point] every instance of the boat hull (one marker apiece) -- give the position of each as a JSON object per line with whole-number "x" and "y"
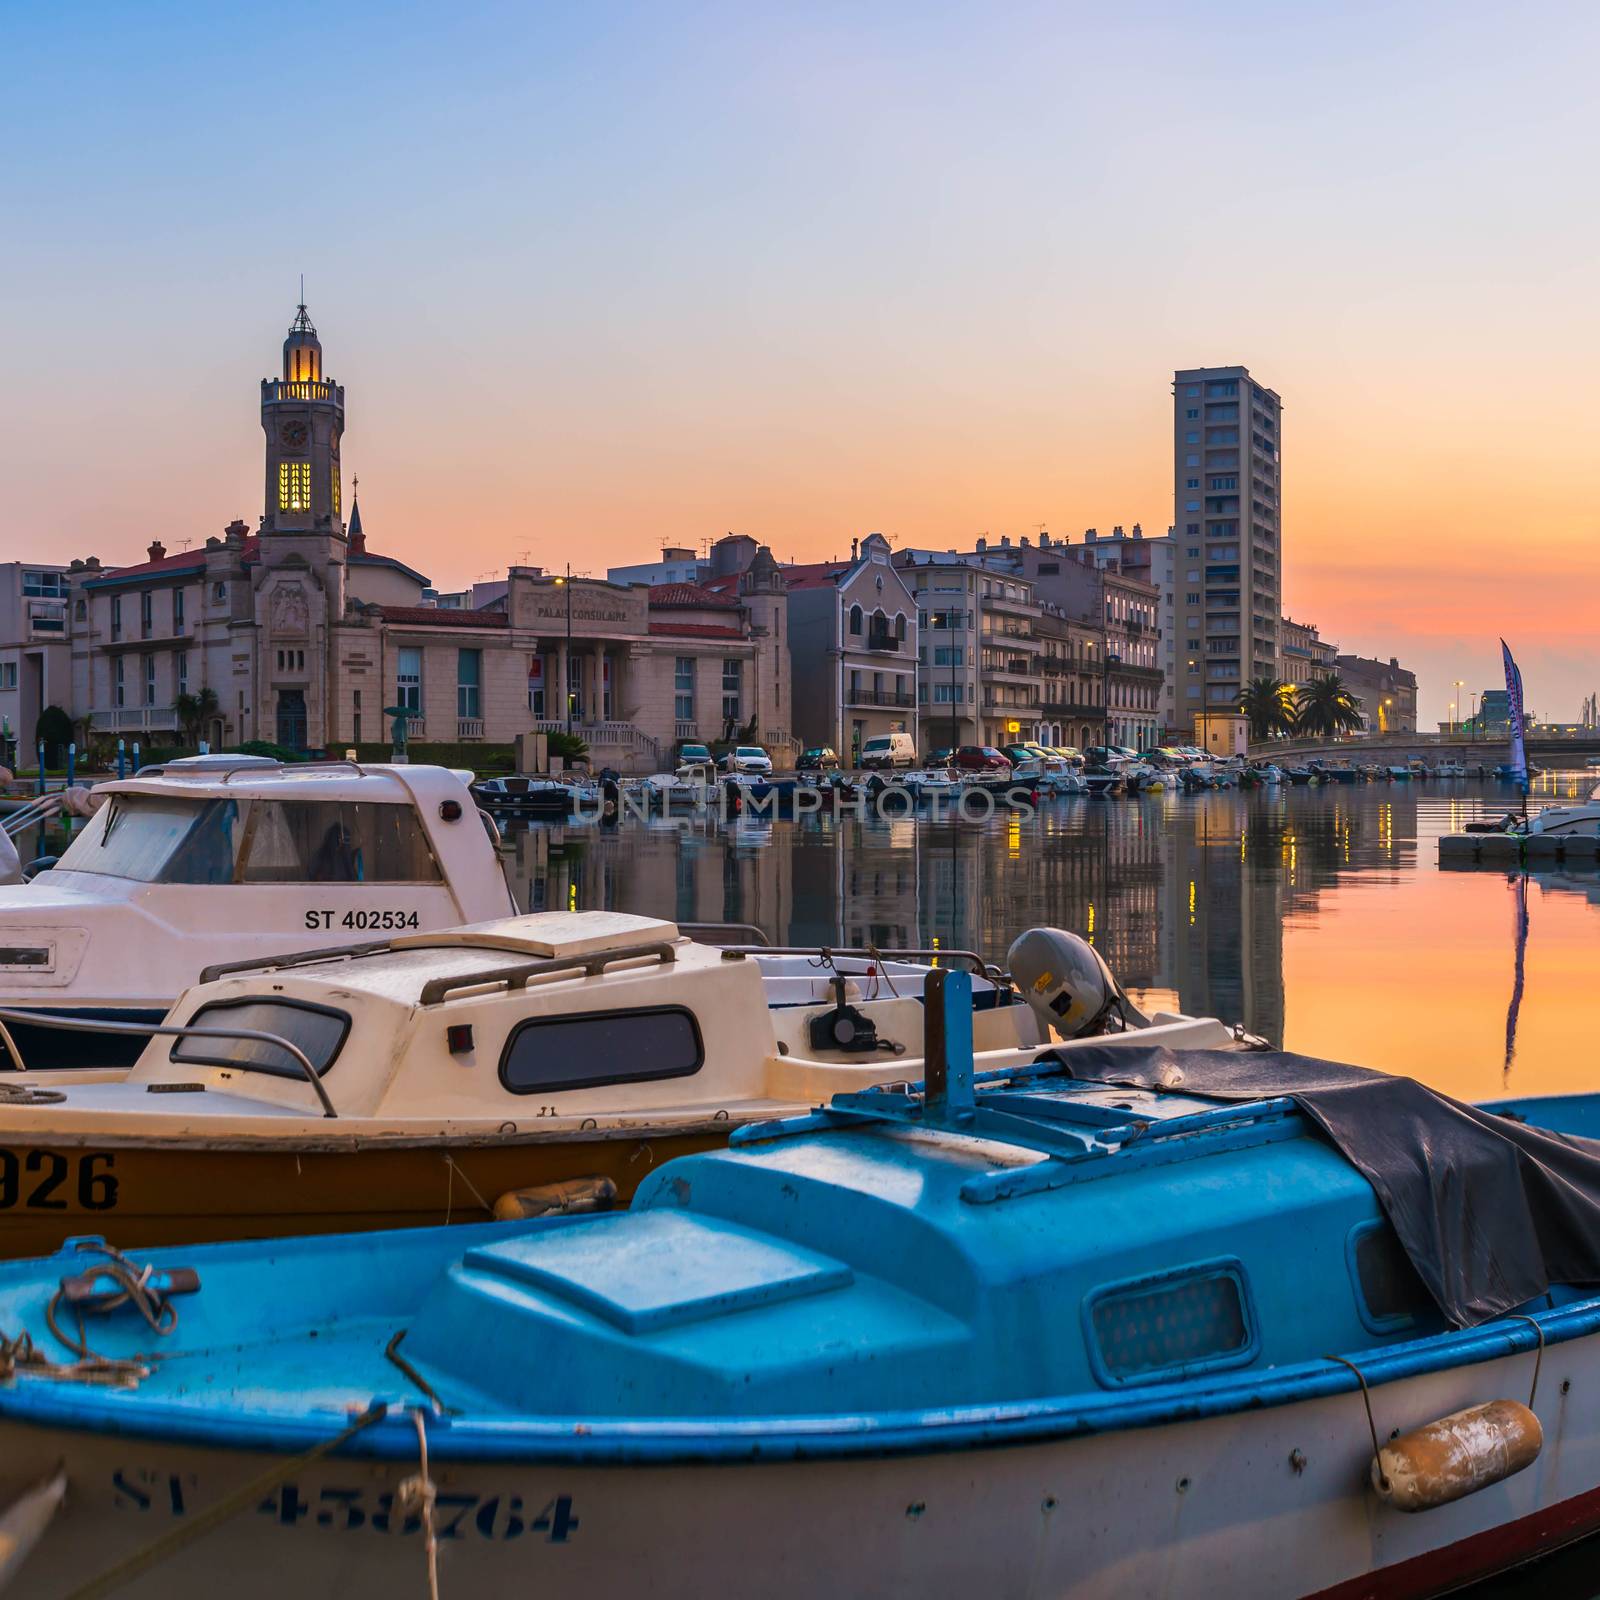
{"x": 150, "y": 1194}
{"x": 1264, "y": 1502}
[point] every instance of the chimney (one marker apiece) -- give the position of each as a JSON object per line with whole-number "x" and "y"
{"x": 93, "y": 563}
{"x": 983, "y": 544}
{"x": 1090, "y": 535}
{"x": 855, "y": 549}
{"x": 156, "y": 550}
{"x": 1117, "y": 533}
{"x": 1138, "y": 532}
{"x": 1005, "y": 541}
{"x": 1044, "y": 540}
{"x": 1023, "y": 541}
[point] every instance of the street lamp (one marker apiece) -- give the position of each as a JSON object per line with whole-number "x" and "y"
{"x": 1456, "y": 708}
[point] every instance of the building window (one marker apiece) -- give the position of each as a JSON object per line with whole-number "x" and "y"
{"x": 408, "y": 681}
{"x": 80, "y": 611}
{"x": 294, "y": 485}
{"x": 1191, "y": 483}
{"x": 177, "y": 610}
{"x": 183, "y": 672}
{"x": 219, "y": 591}
{"x": 732, "y": 690}
{"x": 116, "y": 616}
{"x": 8, "y": 674}
{"x": 149, "y": 680}
{"x": 117, "y": 679}
{"x": 855, "y": 620}
{"x": 147, "y": 613}
{"x": 683, "y": 689}
{"x": 1192, "y": 413}
{"x": 333, "y": 487}
{"x": 469, "y": 677}
{"x": 536, "y": 687}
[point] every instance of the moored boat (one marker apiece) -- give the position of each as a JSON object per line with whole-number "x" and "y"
{"x": 433, "y": 1076}
{"x": 1144, "y": 1330}
{"x": 184, "y": 866}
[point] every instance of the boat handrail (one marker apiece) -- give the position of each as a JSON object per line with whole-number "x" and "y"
{"x": 38, "y": 810}
{"x": 737, "y": 952}
{"x": 298, "y": 958}
{"x": 436, "y": 990}
{"x": 175, "y": 1030}
{"x": 749, "y": 929}
{"x": 301, "y": 766}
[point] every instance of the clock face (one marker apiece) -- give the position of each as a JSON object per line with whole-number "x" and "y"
{"x": 293, "y": 435}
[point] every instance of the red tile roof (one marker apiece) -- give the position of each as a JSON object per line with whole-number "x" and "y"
{"x": 178, "y": 561}
{"x": 815, "y": 575}
{"x": 696, "y": 630}
{"x": 688, "y": 597}
{"x": 445, "y": 617}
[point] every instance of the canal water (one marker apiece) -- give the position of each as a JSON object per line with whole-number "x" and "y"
{"x": 1318, "y": 916}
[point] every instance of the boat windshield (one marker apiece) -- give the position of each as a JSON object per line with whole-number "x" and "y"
{"x": 154, "y": 839}
{"x": 160, "y": 839}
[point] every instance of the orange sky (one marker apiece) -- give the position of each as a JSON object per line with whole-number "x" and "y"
{"x": 606, "y": 280}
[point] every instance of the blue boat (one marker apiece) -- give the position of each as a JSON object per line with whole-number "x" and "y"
{"x": 1150, "y": 1331}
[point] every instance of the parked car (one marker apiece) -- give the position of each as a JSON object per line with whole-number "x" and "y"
{"x": 820, "y": 758}
{"x": 695, "y": 755}
{"x": 1024, "y": 750}
{"x": 978, "y": 758}
{"x": 747, "y": 758}
{"x": 888, "y": 750}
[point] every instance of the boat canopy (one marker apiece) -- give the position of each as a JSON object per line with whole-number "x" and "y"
{"x": 1491, "y": 1211}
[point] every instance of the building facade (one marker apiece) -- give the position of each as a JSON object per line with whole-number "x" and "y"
{"x": 1151, "y": 560}
{"x": 1385, "y": 691}
{"x": 1227, "y": 501}
{"x": 34, "y": 654}
{"x": 1303, "y": 655}
{"x": 853, "y": 640}
{"x": 299, "y": 635}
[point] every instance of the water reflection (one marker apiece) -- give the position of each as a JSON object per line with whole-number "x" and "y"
{"x": 1316, "y": 916}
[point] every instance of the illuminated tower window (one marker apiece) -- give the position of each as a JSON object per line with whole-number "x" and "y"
{"x": 294, "y": 485}
{"x": 333, "y": 486}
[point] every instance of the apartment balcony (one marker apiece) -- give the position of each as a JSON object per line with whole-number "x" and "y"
{"x": 469, "y": 727}
{"x": 884, "y": 642}
{"x": 133, "y": 719}
{"x": 1137, "y": 674}
{"x": 47, "y": 621}
{"x": 1071, "y": 708}
{"x": 880, "y": 697}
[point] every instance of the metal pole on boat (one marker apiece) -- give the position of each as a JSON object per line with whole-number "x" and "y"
{"x": 947, "y": 1045}
{"x": 41, "y": 766}
{"x": 72, "y": 761}
{"x": 122, "y": 758}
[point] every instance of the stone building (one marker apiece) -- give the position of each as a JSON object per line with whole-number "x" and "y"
{"x": 853, "y": 641}
{"x": 1302, "y": 654}
{"x": 312, "y": 641}
{"x": 34, "y": 654}
{"x": 1386, "y": 692}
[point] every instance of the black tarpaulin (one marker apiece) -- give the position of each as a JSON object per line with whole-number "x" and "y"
{"x": 1492, "y": 1212}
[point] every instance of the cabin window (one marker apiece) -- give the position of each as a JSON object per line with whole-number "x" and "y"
{"x": 317, "y": 1031}
{"x": 151, "y": 839}
{"x": 337, "y": 841}
{"x": 1390, "y": 1296}
{"x": 1149, "y": 1330}
{"x": 589, "y": 1051}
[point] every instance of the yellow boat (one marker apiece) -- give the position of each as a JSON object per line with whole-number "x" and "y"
{"x": 535, "y": 1063}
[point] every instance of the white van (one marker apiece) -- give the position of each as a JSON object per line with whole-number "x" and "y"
{"x": 888, "y": 750}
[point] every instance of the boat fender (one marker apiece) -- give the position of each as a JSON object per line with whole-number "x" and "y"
{"x": 556, "y": 1199}
{"x": 1457, "y": 1455}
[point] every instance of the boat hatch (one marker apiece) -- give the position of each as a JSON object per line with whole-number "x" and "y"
{"x": 656, "y": 1272}
{"x": 549, "y": 933}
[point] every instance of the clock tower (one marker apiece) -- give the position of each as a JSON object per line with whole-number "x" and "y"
{"x": 302, "y": 415}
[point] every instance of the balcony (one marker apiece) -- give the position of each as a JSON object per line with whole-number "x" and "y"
{"x": 133, "y": 719}
{"x": 1070, "y": 708}
{"x": 469, "y": 727}
{"x": 883, "y": 641}
{"x": 275, "y": 389}
{"x": 46, "y": 620}
{"x": 880, "y": 697}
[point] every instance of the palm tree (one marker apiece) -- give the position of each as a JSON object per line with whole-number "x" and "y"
{"x": 1269, "y": 704}
{"x": 1326, "y": 708}
{"x": 194, "y": 711}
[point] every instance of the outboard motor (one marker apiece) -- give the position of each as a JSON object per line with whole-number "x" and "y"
{"x": 1070, "y": 988}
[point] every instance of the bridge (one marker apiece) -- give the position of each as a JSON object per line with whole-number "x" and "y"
{"x": 1390, "y": 749}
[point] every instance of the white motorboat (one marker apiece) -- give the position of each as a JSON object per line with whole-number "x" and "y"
{"x": 190, "y": 864}
{"x": 424, "y": 1079}
{"x": 1555, "y": 833}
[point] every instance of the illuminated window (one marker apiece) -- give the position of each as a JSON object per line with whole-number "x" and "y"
{"x": 333, "y": 487}
{"x": 294, "y": 485}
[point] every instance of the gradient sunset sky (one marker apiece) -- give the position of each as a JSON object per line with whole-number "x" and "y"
{"x": 603, "y": 277}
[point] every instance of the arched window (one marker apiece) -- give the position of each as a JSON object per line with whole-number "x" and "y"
{"x": 855, "y": 619}
{"x": 900, "y": 625}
